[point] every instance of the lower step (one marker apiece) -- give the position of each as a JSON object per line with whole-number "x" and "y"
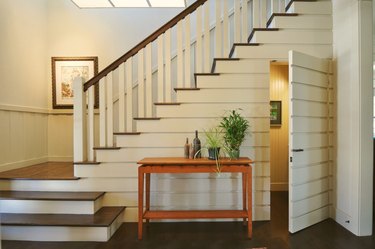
{"x": 62, "y": 227}
{"x": 50, "y": 202}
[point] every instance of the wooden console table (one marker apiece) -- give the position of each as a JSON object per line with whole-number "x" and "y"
{"x": 203, "y": 165}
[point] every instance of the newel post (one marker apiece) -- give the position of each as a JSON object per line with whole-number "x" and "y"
{"x": 79, "y": 121}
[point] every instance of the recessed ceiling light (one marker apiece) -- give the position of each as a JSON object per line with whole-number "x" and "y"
{"x": 92, "y": 3}
{"x": 167, "y": 3}
{"x": 130, "y": 3}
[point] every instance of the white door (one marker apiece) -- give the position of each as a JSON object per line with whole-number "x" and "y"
{"x": 310, "y": 140}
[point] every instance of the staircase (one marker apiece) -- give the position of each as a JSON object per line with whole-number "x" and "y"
{"x": 148, "y": 108}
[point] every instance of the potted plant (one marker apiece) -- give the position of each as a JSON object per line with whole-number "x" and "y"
{"x": 235, "y": 128}
{"x": 214, "y": 141}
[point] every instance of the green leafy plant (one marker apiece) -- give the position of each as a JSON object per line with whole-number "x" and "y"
{"x": 235, "y": 128}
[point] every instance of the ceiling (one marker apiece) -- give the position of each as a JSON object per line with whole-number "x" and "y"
{"x": 129, "y": 3}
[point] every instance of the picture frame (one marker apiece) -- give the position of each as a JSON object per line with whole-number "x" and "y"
{"x": 275, "y": 112}
{"x": 64, "y": 70}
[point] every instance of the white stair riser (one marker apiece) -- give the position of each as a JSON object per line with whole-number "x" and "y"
{"x": 224, "y": 96}
{"x": 302, "y": 22}
{"x": 132, "y": 154}
{"x": 107, "y": 170}
{"x": 178, "y": 140}
{"x": 274, "y": 51}
{"x": 208, "y": 110}
{"x": 48, "y": 233}
{"x": 51, "y": 207}
{"x": 318, "y": 8}
{"x": 192, "y": 124}
{"x": 243, "y": 66}
{"x": 231, "y": 81}
{"x": 90, "y": 184}
{"x": 293, "y": 37}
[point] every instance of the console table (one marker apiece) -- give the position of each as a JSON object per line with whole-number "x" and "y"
{"x": 179, "y": 165}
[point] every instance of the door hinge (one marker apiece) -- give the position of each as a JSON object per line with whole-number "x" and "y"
{"x": 291, "y": 159}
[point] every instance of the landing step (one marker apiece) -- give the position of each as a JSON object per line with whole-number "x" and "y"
{"x": 38, "y": 202}
{"x": 62, "y": 227}
{"x": 41, "y": 195}
{"x": 103, "y": 218}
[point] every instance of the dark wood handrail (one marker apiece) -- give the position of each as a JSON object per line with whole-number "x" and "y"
{"x": 143, "y": 44}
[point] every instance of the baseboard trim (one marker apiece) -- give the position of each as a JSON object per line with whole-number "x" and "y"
{"x": 279, "y": 186}
{"x": 60, "y": 158}
{"x": 24, "y": 163}
{"x": 344, "y": 220}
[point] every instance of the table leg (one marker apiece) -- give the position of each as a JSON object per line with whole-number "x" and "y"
{"x": 147, "y": 194}
{"x": 244, "y": 194}
{"x": 249, "y": 203}
{"x": 140, "y": 202}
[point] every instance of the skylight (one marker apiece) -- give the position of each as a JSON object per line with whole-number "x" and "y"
{"x": 128, "y": 3}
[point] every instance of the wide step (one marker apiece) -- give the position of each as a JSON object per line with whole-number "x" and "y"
{"x": 50, "y": 202}
{"x": 42, "y": 195}
{"x": 103, "y": 218}
{"x": 62, "y": 227}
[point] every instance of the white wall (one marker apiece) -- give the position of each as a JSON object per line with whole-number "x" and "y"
{"x": 23, "y": 53}
{"x": 23, "y": 94}
{"x": 353, "y": 70}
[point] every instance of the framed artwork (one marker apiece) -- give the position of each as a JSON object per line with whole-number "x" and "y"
{"x": 64, "y": 70}
{"x": 275, "y": 112}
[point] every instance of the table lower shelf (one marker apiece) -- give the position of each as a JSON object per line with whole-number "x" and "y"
{"x": 195, "y": 214}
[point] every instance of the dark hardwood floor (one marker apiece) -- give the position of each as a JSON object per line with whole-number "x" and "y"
{"x": 223, "y": 235}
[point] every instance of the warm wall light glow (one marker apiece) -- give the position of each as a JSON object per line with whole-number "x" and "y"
{"x": 128, "y": 3}
{"x": 92, "y": 3}
{"x": 167, "y": 3}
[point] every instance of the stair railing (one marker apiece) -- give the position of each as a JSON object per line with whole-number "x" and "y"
{"x": 164, "y": 61}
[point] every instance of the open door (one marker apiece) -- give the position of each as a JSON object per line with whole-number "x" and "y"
{"x": 310, "y": 140}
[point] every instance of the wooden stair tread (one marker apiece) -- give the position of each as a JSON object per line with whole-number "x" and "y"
{"x": 87, "y": 162}
{"x": 146, "y": 118}
{"x": 127, "y": 133}
{"x": 169, "y": 103}
{"x": 107, "y": 148}
{"x": 42, "y": 171}
{"x": 187, "y": 89}
{"x": 52, "y": 196}
{"x": 103, "y": 218}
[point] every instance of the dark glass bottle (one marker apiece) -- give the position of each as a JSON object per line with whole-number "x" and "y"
{"x": 197, "y": 146}
{"x": 187, "y": 148}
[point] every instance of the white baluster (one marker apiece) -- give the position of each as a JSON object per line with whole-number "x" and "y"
{"x": 109, "y": 84}
{"x": 129, "y": 94}
{"x": 160, "y": 84}
{"x": 102, "y": 113}
{"x": 79, "y": 118}
{"x": 282, "y": 6}
{"x": 180, "y": 68}
{"x": 187, "y": 52}
{"x": 245, "y": 26}
{"x": 198, "y": 48}
{"x": 168, "y": 81}
{"x": 274, "y": 6}
{"x": 256, "y": 14}
{"x": 218, "y": 41}
{"x": 263, "y": 14}
{"x": 121, "y": 98}
{"x": 237, "y": 21}
{"x": 226, "y": 29}
{"x": 148, "y": 81}
{"x": 141, "y": 85}
{"x": 90, "y": 125}
{"x": 207, "y": 47}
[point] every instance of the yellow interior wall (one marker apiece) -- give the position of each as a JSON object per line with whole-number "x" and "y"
{"x": 279, "y": 137}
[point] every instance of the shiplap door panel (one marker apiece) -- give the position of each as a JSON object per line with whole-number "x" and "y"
{"x": 310, "y": 140}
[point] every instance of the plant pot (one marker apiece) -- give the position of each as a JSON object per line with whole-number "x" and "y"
{"x": 234, "y": 154}
{"x": 213, "y": 153}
